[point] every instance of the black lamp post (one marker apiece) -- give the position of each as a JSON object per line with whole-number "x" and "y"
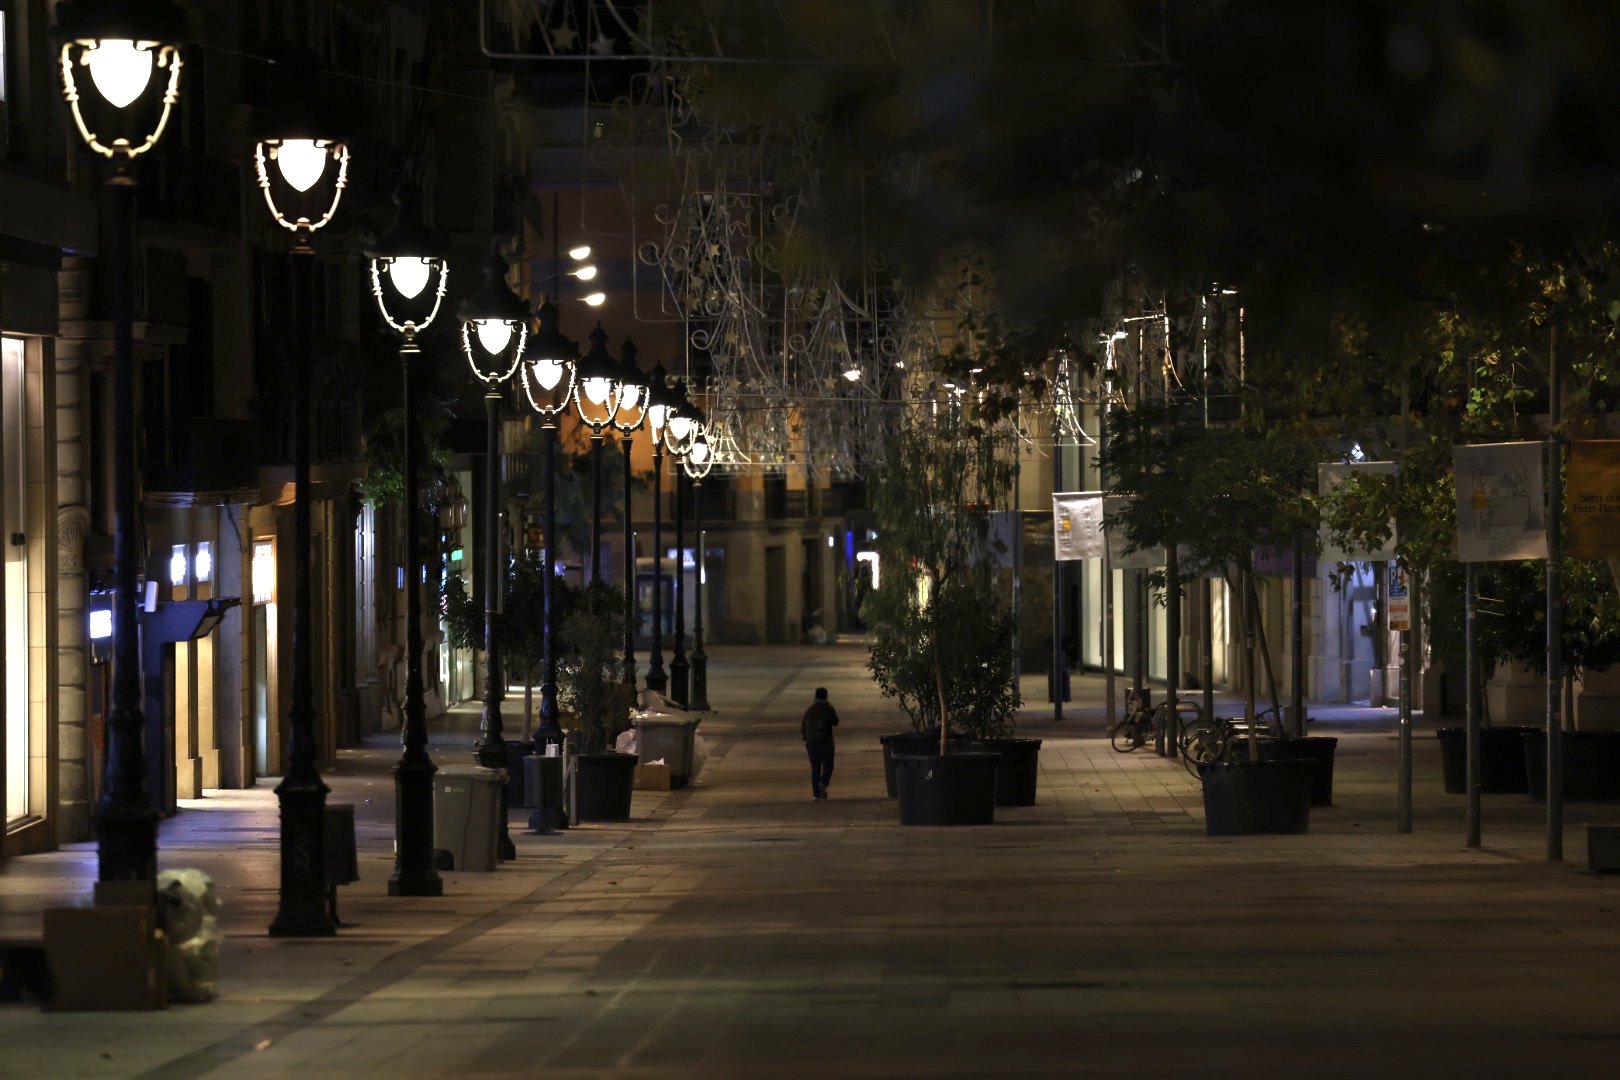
{"x": 597, "y": 389}
{"x": 682, "y": 425}
{"x": 408, "y": 278}
{"x": 632, "y": 413}
{"x": 127, "y": 55}
{"x": 698, "y": 461}
{"x": 660, "y": 402}
{"x": 548, "y": 368}
{"x": 494, "y": 330}
{"x": 302, "y": 170}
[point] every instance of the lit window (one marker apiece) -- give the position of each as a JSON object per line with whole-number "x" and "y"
{"x": 264, "y": 571}
{"x": 100, "y": 624}
{"x": 202, "y": 565}
{"x": 178, "y": 562}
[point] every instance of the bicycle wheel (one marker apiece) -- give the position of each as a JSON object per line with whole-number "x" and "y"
{"x": 1207, "y": 742}
{"x": 1129, "y": 734}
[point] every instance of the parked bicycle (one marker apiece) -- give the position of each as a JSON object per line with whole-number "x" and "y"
{"x": 1214, "y": 739}
{"x": 1143, "y": 722}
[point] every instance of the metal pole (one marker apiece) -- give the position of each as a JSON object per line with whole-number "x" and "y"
{"x": 656, "y": 679}
{"x": 1404, "y": 807}
{"x": 549, "y": 732}
{"x": 1206, "y": 629}
{"x": 1471, "y": 698}
{"x": 490, "y": 750}
{"x": 126, "y": 822}
{"x": 1404, "y": 823}
{"x": 679, "y": 669}
{"x": 414, "y": 874}
{"x": 1058, "y": 659}
{"x": 700, "y": 659}
{"x": 1110, "y": 688}
{"x": 1555, "y": 608}
{"x": 1172, "y": 650}
{"x": 1296, "y": 673}
{"x": 629, "y": 577}
{"x": 301, "y": 908}
{"x": 596, "y": 507}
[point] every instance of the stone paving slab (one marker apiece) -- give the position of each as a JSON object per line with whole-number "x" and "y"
{"x": 738, "y": 928}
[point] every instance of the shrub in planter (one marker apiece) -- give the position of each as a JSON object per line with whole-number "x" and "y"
{"x": 590, "y": 632}
{"x": 1317, "y": 751}
{"x": 1591, "y": 764}
{"x": 1248, "y": 797}
{"x": 950, "y": 789}
{"x": 1501, "y": 759}
{"x": 1017, "y": 768}
{"x": 942, "y": 635}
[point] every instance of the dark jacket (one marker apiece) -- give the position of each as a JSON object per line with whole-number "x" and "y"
{"x": 819, "y": 720}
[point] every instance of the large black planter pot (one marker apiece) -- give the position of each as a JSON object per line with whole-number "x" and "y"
{"x": 605, "y": 785}
{"x": 1591, "y": 764}
{"x": 1018, "y": 771}
{"x": 1501, "y": 759}
{"x": 957, "y": 789}
{"x": 904, "y": 742}
{"x": 1242, "y": 798}
{"x": 1317, "y": 752}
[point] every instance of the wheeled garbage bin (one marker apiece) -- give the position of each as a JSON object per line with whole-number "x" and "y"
{"x": 668, "y": 738}
{"x": 466, "y": 814}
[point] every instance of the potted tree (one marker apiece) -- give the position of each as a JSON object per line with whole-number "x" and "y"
{"x": 590, "y": 635}
{"x": 1212, "y": 496}
{"x": 941, "y": 633}
{"x": 520, "y": 624}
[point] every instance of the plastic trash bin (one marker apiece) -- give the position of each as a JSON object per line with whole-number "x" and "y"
{"x": 668, "y": 738}
{"x": 466, "y": 809}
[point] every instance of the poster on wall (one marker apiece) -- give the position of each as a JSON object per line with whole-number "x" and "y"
{"x": 1330, "y": 476}
{"x": 1592, "y": 499}
{"x": 1501, "y": 502}
{"x": 1077, "y": 525}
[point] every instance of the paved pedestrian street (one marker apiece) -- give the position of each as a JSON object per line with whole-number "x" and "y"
{"x": 739, "y": 928}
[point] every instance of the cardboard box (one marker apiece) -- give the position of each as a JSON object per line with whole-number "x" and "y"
{"x": 106, "y": 959}
{"x": 652, "y": 777}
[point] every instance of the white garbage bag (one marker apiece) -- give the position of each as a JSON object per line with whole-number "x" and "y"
{"x": 187, "y": 911}
{"x": 626, "y": 742}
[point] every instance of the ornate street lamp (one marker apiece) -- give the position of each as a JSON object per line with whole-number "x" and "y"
{"x": 302, "y": 170}
{"x": 128, "y": 51}
{"x": 494, "y": 331}
{"x": 548, "y": 368}
{"x": 659, "y": 403}
{"x": 698, "y": 461}
{"x": 128, "y": 54}
{"x": 408, "y": 279}
{"x": 634, "y": 396}
{"x": 597, "y": 389}
{"x": 684, "y": 422}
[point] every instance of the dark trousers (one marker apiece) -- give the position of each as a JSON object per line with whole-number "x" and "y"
{"x": 821, "y": 765}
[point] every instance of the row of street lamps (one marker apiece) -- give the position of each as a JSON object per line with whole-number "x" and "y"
{"x": 131, "y": 53}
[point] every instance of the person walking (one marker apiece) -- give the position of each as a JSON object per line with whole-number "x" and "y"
{"x": 817, "y": 731}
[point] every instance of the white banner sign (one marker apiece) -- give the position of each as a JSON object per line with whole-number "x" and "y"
{"x": 1330, "y": 476}
{"x": 1077, "y": 525}
{"x": 1501, "y": 502}
{"x": 1118, "y": 558}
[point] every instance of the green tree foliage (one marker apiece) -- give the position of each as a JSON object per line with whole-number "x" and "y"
{"x": 590, "y": 640}
{"x": 1216, "y": 494}
{"x": 520, "y": 623}
{"x": 942, "y": 637}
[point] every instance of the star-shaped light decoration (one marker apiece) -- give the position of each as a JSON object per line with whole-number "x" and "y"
{"x": 602, "y": 46}
{"x": 563, "y": 38}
